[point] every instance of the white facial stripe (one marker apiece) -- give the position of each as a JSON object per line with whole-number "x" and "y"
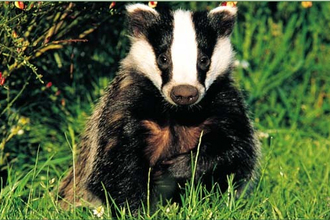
{"x": 142, "y": 57}
{"x": 220, "y": 61}
{"x": 184, "y": 49}
{"x": 134, "y": 7}
{"x": 230, "y": 10}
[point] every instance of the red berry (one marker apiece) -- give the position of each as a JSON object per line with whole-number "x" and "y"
{"x": 49, "y": 85}
{"x": 2, "y": 79}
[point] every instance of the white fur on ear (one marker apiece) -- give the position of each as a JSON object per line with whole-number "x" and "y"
{"x": 140, "y": 18}
{"x": 222, "y": 19}
{"x": 227, "y": 9}
{"x": 140, "y": 7}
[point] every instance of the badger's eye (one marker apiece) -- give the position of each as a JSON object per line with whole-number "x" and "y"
{"x": 163, "y": 61}
{"x": 204, "y": 62}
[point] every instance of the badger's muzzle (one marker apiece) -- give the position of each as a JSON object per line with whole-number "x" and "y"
{"x": 184, "y": 94}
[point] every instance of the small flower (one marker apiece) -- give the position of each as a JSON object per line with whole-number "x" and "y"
{"x": 49, "y": 85}
{"x": 307, "y": 4}
{"x": 23, "y": 120}
{"x": 15, "y": 130}
{"x": 263, "y": 135}
{"x": 99, "y": 211}
{"x": 20, "y": 132}
{"x": 152, "y": 4}
{"x": 20, "y": 5}
{"x": 230, "y": 4}
{"x": 2, "y": 79}
{"x": 112, "y": 5}
{"x": 52, "y": 181}
{"x": 243, "y": 64}
{"x": 15, "y": 35}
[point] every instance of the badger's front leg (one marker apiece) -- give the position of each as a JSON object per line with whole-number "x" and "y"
{"x": 213, "y": 163}
{"x": 172, "y": 174}
{"x": 122, "y": 172}
{"x": 182, "y": 167}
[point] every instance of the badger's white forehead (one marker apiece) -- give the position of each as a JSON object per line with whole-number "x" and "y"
{"x": 184, "y": 48}
{"x": 184, "y": 52}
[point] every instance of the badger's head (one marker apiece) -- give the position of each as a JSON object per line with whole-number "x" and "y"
{"x": 181, "y": 52}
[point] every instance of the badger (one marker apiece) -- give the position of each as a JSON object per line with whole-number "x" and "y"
{"x": 173, "y": 99}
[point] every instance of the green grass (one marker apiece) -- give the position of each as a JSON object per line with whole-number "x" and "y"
{"x": 286, "y": 85}
{"x": 294, "y": 183}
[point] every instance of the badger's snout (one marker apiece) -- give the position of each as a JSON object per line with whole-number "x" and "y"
{"x": 184, "y": 94}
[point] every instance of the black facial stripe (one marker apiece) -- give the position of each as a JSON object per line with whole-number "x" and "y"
{"x": 160, "y": 36}
{"x": 206, "y": 38}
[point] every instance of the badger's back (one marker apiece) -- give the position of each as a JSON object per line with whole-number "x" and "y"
{"x": 173, "y": 88}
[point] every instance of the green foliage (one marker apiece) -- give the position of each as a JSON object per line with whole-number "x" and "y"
{"x": 58, "y": 36}
{"x": 63, "y": 55}
{"x": 285, "y": 54}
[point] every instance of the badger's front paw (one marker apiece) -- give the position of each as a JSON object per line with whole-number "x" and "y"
{"x": 179, "y": 167}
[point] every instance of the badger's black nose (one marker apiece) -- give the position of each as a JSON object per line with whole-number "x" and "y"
{"x": 184, "y": 94}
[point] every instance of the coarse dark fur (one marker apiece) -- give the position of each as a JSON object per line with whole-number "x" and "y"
{"x": 134, "y": 128}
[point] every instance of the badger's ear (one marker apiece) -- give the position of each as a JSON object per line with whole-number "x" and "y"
{"x": 140, "y": 17}
{"x": 223, "y": 19}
